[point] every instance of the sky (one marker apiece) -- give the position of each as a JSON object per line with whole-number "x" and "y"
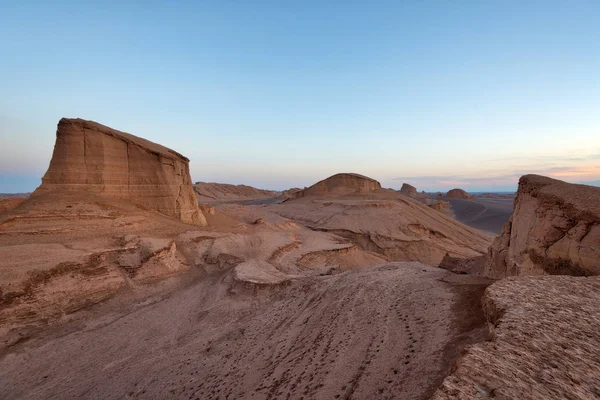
{"x": 278, "y": 94}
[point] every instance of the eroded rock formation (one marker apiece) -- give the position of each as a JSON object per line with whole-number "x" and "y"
{"x": 458, "y": 194}
{"x": 544, "y": 343}
{"x": 554, "y": 229}
{"x": 408, "y": 190}
{"x": 95, "y": 158}
{"x": 225, "y": 192}
{"x": 341, "y": 184}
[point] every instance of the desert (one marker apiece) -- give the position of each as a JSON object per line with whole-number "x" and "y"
{"x": 300, "y": 200}
{"x": 343, "y": 289}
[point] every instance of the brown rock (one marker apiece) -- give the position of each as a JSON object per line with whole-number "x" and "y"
{"x": 382, "y": 221}
{"x": 554, "y": 229}
{"x": 10, "y": 203}
{"x": 92, "y": 157}
{"x": 340, "y": 184}
{"x": 441, "y": 206}
{"x": 458, "y": 194}
{"x": 471, "y": 266}
{"x": 544, "y": 343}
{"x": 226, "y": 192}
{"x": 408, "y": 190}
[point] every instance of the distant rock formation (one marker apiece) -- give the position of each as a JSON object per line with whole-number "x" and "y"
{"x": 458, "y": 194}
{"x": 10, "y": 203}
{"x": 340, "y": 184}
{"x": 290, "y": 193}
{"x": 224, "y": 192}
{"x": 554, "y": 229}
{"x": 408, "y": 190}
{"x": 92, "y": 157}
{"x": 441, "y": 206}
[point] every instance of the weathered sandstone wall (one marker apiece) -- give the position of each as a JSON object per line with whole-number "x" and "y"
{"x": 408, "y": 190}
{"x": 554, "y": 229}
{"x": 92, "y": 157}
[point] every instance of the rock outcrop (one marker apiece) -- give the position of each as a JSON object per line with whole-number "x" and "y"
{"x": 554, "y": 229}
{"x": 441, "y": 206}
{"x": 544, "y": 343}
{"x": 92, "y": 157}
{"x": 458, "y": 194}
{"x": 408, "y": 190}
{"x": 339, "y": 185}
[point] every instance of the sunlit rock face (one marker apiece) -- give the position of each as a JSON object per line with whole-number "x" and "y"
{"x": 554, "y": 229}
{"x": 92, "y": 157}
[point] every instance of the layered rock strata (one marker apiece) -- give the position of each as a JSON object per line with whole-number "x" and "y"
{"x": 92, "y": 157}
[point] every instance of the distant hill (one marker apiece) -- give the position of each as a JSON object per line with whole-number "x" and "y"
{"x": 211, "y": 192}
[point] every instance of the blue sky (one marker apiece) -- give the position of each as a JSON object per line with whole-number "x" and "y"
{"x": 278, "y": 94}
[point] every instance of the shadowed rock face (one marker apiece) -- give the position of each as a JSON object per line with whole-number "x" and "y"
{"x": 92, "y": 157}
{"x": 408, "y": 190}
{"x": 554, "y": 229}
{"x": 340, "y": 184}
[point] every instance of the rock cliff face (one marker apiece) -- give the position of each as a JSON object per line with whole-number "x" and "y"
{"x": 340, "y": 184}
{"x": 92, "y": 157}
{"x": 458, "y": 194}
{"x": 408, "y": 190}
{"x": 554, "y": 229}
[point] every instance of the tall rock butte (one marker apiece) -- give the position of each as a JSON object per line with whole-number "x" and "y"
{"x": 554, "y": 230}
{"x": 92, "y": 157}
{"x": 339, "y": 185}
{"x": 408, "y": 190}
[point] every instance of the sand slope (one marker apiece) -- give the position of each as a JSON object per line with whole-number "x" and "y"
{"x": 395, "y": 226}
{"x": 384, "y": 332}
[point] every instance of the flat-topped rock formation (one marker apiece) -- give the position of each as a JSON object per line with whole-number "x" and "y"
{"x": 95, "y": 158}
{"x": 408, "y": 190}
{"x": 458, "y": 194}
{"x": 545, "y": 343}
{"x": 554, "y": 229}
{"x": 211, "y": 192}
{"x": 340, "y": 184}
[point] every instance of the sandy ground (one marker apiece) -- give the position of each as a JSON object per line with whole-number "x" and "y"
{"x": 387, "y": 331}
{"x": 486, "y": 214}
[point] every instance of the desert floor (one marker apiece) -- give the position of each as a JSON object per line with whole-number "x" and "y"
{"x": 386, "y": 331}
{"x": 486, "y": 214}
